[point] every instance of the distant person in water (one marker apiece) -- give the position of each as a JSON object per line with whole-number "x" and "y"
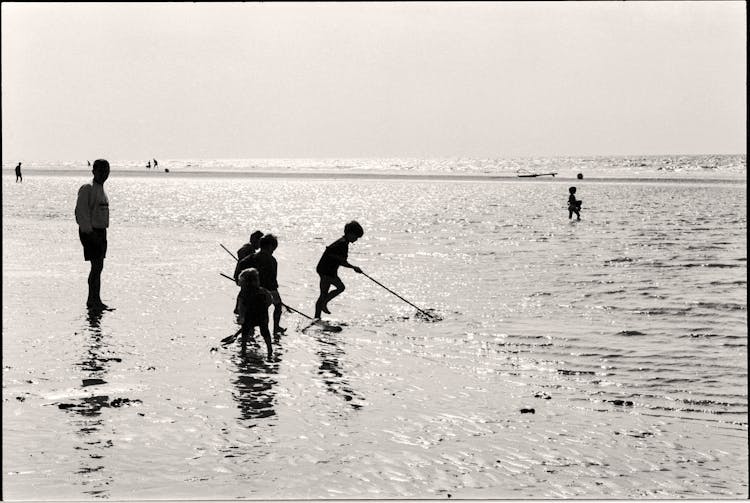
{"x": 251, "y": 246}
{"x": 148, "y": 165}
{"x": 155, "y": 164}
{"x": 92, "y": 216}
{"x": 89, "y": 163}
{"x": 19, "y": 177}
{"x": 335, "y": 255}
{"x": 253, "y": 301}
{"x": 574, "y": 205}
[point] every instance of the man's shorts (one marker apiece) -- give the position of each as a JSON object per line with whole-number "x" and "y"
{"x": 94, "y": 244}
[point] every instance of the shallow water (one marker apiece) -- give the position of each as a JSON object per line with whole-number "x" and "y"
{"x": 665, "y": 167}
{"x": 625, "y": 332}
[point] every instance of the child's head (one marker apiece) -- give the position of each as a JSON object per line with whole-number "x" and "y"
{"x": 249, "y": 278}
{"x": 100, "y": 170}
{"x": 353, "y": 231}
{"x": 255, "y": 238}
{"x": 269, "y": 242}
{"x": 572, "y": 190}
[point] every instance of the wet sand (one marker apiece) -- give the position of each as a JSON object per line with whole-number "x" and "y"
{"x": 143, "y": 403}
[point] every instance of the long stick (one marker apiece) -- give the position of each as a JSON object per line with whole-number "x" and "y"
{"x": 329, "y": 328}
{"x": 397, "y": 295}
{"x": 326, "y": 326}
{"x": 228, "y": 340}
{"x": 298, "y": 312}
{"x": 232, "y": 254}
{"x": 286, "y": 306}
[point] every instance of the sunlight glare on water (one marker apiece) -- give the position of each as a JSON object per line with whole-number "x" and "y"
{"x": 625, "y": 333}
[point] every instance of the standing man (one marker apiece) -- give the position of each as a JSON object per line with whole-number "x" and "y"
{"x": 92, "y": 216}
{"x": 19, "y": 178}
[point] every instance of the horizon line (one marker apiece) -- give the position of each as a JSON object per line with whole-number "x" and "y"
{"x": 577, "y": 156}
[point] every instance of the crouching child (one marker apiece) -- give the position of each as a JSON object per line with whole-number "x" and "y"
{"x": 252, "y": 307}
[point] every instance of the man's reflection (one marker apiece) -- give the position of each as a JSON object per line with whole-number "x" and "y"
{"x": 334, "y": 380}
{"x": 89, "y": 424}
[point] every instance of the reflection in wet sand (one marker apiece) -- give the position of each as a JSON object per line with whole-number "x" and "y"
{"x": 94, "y": 366}
{"x": 329, "y": 370}
{"x": 254, "y": 383}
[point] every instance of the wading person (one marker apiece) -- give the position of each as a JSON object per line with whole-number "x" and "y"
{"x": 334, "y": 256}
{"x": 19, "y": 177}
{"x": 92, "y": 216}
{"x": 252, "y": 303}
{"x": 267, "y": 267}
{"x": 574, "y": 205}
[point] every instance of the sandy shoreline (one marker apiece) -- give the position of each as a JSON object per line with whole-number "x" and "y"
{"x": 375, "y": 176}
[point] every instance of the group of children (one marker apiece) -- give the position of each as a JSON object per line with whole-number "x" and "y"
{"x": 256, "y": 273}
{"x": 257, "y": 269}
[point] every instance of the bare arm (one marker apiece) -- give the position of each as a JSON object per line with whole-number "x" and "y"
{"x": 83, "y": 210}
{"x": 344, "y": 263}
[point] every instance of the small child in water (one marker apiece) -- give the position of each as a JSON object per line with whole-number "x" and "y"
{"x": 252, "y": 306}
{"x": 335, "y": 255}
{"x": 574, "y": 205}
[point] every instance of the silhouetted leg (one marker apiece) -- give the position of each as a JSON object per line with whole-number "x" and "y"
{"x": 266, "y": 337}
{"x": 335, "y": 281}
{"x": 277, "y": 319}
{"x": 243, "y": 343}
{"x": 95, "y": 283}
{"x": 248, "y": 332}
{"x": 325, "y": 284}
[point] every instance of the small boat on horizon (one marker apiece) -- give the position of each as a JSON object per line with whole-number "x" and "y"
{"x": 522, "y": 173}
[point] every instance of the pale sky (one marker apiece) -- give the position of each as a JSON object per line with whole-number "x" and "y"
{"x": 337, "y": 80}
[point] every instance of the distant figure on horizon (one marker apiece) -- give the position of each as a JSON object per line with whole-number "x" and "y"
{"x": 335, "y": 255}
{"x": 574, "y": 205}
{"x": 92, "y": 216}
{"x": 253, "y": 301}
{"x": 89, "y": 163}
{"x": 155, "y": 164}
{"x": 19, "y": 177}
{"x": 148, "y": 165}
{"x": 251, "y": 246}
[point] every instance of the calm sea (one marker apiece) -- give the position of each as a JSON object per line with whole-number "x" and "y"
{"x": 605, "y": 358}
{"x": 663, "y": 167}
